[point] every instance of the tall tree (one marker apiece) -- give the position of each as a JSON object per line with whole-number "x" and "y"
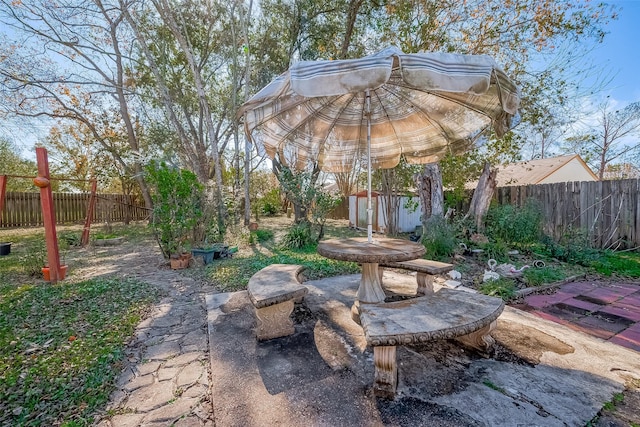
{"x": 12, "y": 163}
{"x": 74, "y": 153}
{"x": 68, "y": 61}
{"x": 186, "y": 56}
{"x": 614, "y": 134}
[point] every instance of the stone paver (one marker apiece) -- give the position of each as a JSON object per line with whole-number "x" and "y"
{"x": 167, "y": 380}
{"x": 607, "y": 311}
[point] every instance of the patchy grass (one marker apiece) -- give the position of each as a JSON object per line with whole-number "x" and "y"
{"x": 543, "y": 275}
{"x": 624, "y": 264}
{"x": 503, "y": 288}
{"x": 234, "y": 274}
{"x": 61, "y": 347}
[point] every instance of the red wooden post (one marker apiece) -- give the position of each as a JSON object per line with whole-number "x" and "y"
{"x": 48, "y": 213}
{"x": 3, "y": 191}
{"x": 87, "y": 223}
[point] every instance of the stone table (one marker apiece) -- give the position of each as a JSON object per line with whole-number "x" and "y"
{"x": 369, "y": 255}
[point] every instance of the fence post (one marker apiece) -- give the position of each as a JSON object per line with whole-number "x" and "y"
{"x": 48, "y": 213}
{"x": 87, "y": 223}
{"x": 3, "y": 191}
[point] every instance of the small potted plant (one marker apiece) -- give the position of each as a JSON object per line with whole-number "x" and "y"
{"x": 209, "y": 252}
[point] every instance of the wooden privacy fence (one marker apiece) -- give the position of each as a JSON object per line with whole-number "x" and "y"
{"x": 341, "y": 211}
{"x": 608, "y": 211}
{"x": 23, "y": 209}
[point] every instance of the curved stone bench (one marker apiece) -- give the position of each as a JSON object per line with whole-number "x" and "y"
{"x": 425, "y": 268}
{"x": 273, "y": 291}
{"x": 447, "y": 314}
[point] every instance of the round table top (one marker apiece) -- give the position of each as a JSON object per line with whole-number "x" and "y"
{"x": 358, "y": 249}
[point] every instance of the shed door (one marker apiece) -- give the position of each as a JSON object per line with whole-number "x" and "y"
{"x": 362, "y": 212}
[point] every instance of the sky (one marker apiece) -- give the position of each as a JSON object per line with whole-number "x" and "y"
{"x": 618, "y": 56}
{"x": 620, "y": 52}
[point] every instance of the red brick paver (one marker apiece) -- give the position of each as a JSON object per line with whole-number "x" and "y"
{"x": 608, "y": 311}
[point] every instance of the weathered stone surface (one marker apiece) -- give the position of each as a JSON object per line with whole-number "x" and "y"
{"x": 176, "y": 409}
{"x": 126, "y": 420}
{"x": 192, "y": 421}
{"x": 163, "y": 351}
{"x": 125, "y": 376}
{"x": 116, "y": 397}
{"x": 196, "y": 390}
{"x": 138, "y": 382}
{"x": 147, "y": 398}
{"x": 275, "y": 284}
{"x": 190, "y": 374}
{"x": 186, "y": 328}
{"x": 165, "y": 374}
{"x": 446, "y": 314}
{"x": 146, "y": 368}
{"x": 191, "y": 348}
{"x": 196, "y": 338}
{"x": 173, "y": 337}
{"x": 184, "y": 359}
{"x": 167, "y": 321}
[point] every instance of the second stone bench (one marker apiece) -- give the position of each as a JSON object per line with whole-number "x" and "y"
{"x": 446, "y": 314}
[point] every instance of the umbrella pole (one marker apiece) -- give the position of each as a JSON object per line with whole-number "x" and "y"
{"x": 369, "y": 208}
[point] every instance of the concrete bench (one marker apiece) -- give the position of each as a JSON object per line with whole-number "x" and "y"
{"x": 426, "y": 270}
{"x": 273, "y": 292}
{"x": 447, "y": 314}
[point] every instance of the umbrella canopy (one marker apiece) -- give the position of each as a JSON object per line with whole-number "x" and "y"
{"x": 380, "y": 107}
{"x": 423, "y": 106}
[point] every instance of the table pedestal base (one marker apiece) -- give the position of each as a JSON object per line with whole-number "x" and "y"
{"x": 370, "y": 290}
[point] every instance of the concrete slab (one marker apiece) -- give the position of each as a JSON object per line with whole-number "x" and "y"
{"x": 541, "y": 374}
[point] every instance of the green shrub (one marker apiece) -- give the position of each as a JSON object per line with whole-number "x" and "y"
{"x": 270, "y": 203}
{"x": 69, "y": 238}
{"x": 297, "y": 237}
{"x": 439, "y": 238}
{"x": 34, "y": 258}
{"x": 262, "y": 235}
{"x": 177, "y": 206}
{"x": 515, "y": 225}
{"x": 496, "y": 250}
{"x": 573, "y": 247}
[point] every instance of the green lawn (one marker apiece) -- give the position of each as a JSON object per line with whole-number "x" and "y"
{"x": 61, "y": 347}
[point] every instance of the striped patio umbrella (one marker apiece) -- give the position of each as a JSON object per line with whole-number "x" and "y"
{"x": 380, "y": 108}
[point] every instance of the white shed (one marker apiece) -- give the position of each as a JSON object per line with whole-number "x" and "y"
{"x": 408, "y": 218}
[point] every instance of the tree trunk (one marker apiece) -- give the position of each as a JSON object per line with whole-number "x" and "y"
{"x": 482, "y": 196}
{"x": 430, "y": 192}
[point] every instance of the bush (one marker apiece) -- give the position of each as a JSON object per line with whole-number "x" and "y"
{"x": 497, "y": 250}
{"x": 515, "y": 225}
{"x": 34, "y": 258}
{"x": 573, "y": 247}
{"x": 177, "y": 205}
{"x": 297, "y": 237}
{"x": 270, "y": 203}
{"x": 262, "y": 235}
{"x": 439, "y": 238}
